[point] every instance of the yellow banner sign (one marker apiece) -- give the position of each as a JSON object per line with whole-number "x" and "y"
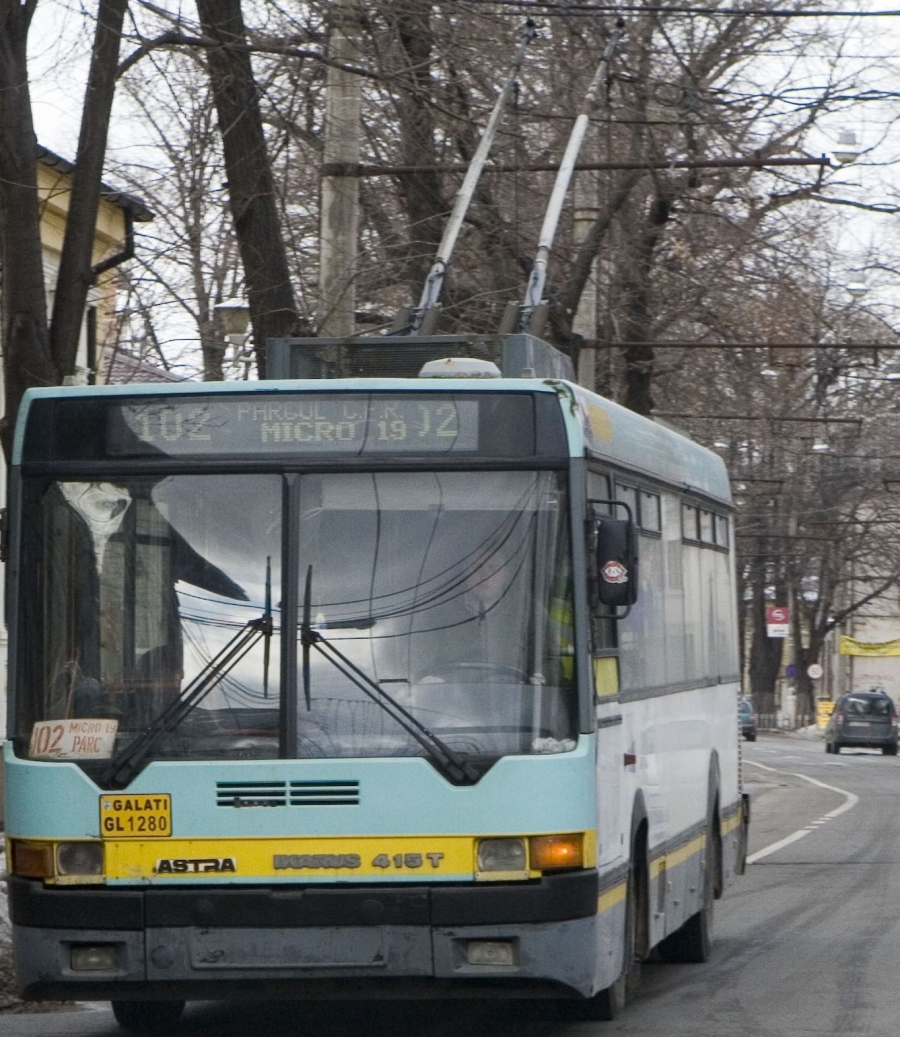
{"x": 848, "y": 646}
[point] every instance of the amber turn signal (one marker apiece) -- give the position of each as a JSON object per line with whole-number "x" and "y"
{"x": 557, "y": 851}
{"x": 31, "y": 860}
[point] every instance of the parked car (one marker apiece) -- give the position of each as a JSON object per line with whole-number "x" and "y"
{"x": 748, "y": 720}
{"x": 863, "y": 719}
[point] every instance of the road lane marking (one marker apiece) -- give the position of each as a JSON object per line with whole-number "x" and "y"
{"x": 850, "y": 801}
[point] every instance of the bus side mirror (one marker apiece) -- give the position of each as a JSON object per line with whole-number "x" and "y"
{"x": 615, "y": 568}
{"x": 616, "y": 562}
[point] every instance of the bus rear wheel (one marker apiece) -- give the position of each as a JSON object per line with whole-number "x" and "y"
{"x": 147, "y": 1018}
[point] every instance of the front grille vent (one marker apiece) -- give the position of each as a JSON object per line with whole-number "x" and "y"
{"x": 324, "y": 793}
{"x": 279, "y": 794}
{"x": 251, "y": 793}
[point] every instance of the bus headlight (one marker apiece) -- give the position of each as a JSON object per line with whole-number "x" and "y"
{"x": 557, "y": 851}
{"x": 501, "y": 855}
{"x": 79, "y": 859}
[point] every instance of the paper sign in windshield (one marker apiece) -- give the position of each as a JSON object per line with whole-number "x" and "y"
{"x": 91, "y": 739}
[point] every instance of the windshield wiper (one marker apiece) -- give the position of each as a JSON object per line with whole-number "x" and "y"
{"x": 126, "y": 764}
{"x": 450, "y": 763}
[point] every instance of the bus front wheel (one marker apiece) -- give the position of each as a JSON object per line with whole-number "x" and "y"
{"x": 147, "y": 1018}
{"x": 609, "y": 1004}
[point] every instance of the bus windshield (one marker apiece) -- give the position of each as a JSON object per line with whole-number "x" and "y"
{"x": 450, "y": 591}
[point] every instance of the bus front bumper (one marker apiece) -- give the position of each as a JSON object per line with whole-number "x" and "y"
{"x": 191, "y": 944}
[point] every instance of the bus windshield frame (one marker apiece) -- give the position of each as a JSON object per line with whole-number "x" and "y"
{"x": 397, "y": 570}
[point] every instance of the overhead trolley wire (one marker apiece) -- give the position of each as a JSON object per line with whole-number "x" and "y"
{"x": 549, "y": 10}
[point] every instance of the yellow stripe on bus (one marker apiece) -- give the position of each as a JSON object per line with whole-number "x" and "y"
{"x": 611, "y": 897}
{"x": 670, "y": 860}
{"x": 730, "y": 823}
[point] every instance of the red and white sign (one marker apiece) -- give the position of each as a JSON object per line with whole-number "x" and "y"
{"x": 777, "y": 620}
{"x": 614, "y": 572}
{"x": 90, "y": 739}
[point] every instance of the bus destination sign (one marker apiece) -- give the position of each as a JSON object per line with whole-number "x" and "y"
{"x": 355, "y": 425}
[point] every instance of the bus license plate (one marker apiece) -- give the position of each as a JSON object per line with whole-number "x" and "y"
{"x": 147, "y": 816}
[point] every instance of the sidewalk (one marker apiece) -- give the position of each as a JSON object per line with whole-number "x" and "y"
{"x": 810, "y": 732}
{"x": 7, "y": 984}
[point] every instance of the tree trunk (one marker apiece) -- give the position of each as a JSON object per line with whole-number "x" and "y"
{"x": 250, "y": 184}
{"x": 639, "y": 355}
{"x": 765, "y": 652}
{"x": 75, "y": 265}
{"x": 26, "y": 350}
{"x": 565, "y": 304}
{"x": 805, "y": 685}
{"x": 425, "y": 207}
{"x": 804, "y": 657}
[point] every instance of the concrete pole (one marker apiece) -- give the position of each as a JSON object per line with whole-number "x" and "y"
{"x": 584, "y": 323}
{"x": 339, "y": 222}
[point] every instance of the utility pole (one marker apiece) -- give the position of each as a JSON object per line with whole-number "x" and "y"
{"x": 584, "y": 323}
{"x": 339, "y": 220}
{"x": 586, "y": 195}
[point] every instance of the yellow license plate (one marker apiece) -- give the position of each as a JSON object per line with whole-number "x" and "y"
{"x": 147, "y": 816}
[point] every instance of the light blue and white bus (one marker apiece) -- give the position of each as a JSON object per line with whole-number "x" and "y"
{"x": 397, "y": 688}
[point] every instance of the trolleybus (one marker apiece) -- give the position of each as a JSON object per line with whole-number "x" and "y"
{"x": 381, "y": 688}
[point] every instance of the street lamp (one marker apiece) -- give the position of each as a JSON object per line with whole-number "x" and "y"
{"x": 234, "y": 317}
{"x": 848, "y": 149}
{"x": 857, "y": 288}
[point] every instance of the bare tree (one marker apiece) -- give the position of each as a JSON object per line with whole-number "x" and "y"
{"x": 75, "y": 265}
{"x": 251, "y": 189}
{"x": 36, "y": 353}
{"x": 188, "y": 259}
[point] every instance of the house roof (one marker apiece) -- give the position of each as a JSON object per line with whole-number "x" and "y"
{"x": 121, "y": 368}
{"x": 130, "y": 202}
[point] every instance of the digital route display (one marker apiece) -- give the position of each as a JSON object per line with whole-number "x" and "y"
{"x": 251, "y": 426}
{"x": 147, "y": 428}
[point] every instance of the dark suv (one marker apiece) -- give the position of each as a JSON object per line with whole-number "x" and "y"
{"x": 865, "y": 720}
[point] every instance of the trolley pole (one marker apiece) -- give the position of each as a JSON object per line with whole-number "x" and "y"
{"x": 435, "y": 280}
{"x": 534, "y": 293}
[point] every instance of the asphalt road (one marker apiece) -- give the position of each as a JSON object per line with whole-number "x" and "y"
{"x": 807, "y": 943}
